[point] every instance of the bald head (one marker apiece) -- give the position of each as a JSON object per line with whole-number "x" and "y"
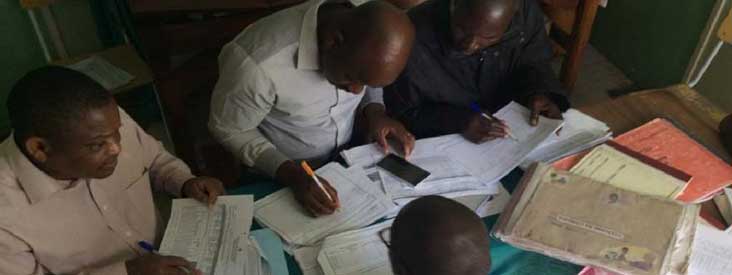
{"x": 477, "y": 24}
{"x": 364, "y": 45}
{"x": 437, "y": 236}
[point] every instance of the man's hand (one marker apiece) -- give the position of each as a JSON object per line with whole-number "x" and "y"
{"x": 481, "y": 129}
{"x": 306, "y": 191}
{"x": 152, "y": 264}
{"x": 381, "y": 126}
{"x": 204, "y": 189}
{"x": 543, "y": 105}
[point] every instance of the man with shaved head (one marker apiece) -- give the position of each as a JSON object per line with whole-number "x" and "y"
{"x": 434, "y": 235}
{"x": 292, "y": 83}
{"x": 488, "y": 52}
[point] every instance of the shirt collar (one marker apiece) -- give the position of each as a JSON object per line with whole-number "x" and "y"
{"x": 37, "y": 184}
{"x": 307, "y": 53}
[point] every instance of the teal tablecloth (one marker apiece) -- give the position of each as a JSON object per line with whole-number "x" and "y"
{"x": 505, "y": 258}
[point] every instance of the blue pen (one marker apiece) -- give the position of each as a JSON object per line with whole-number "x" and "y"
{"x": 151, "y": 248}
{"x": 476, "y": 108}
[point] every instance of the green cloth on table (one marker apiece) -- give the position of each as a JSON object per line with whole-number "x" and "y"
{"x": 505, "y": 258}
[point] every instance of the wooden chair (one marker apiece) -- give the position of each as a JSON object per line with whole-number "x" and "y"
{"x": 572, "y": 22}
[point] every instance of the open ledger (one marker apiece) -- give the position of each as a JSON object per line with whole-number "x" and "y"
{"x": 586, "y": 222}
{"x": 215, "y": 240}
{"x": 360, "y": 206}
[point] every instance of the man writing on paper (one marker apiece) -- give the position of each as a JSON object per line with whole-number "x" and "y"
{"x": 291, "y": 84}
{"x": 434, "y": 235}
{"x": 75, "y": 175}
{"x": 488, "y": 52}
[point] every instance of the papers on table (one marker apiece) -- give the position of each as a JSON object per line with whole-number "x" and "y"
{"x": 711, "y": 252}
{"x": 360, "y": 206}
{"x": 606, "y": 164}
{"x": 580, "y": 132}
{"x": 494, "y": 159}
{"x": 307, "y": 259}
{"x": 357, "y": 252}
{"x": 103, "y": 72}
{"x": 215, "y": 240}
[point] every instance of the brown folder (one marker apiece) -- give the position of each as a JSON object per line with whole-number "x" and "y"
{"x": 579, "y": 220}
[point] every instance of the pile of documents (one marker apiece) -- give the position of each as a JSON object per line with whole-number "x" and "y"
{"x": 348, "y": 241}
{"x": 590, "y": 222}
{"x": 217, "y": 240}
{"x": 656, "y": 160}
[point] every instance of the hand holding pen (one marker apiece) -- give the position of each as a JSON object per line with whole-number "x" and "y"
{"x": 156, "y": 264}
{"x": 483, "y": 127}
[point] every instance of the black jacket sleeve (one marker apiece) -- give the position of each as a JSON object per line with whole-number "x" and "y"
{"x": 534, "y": 72}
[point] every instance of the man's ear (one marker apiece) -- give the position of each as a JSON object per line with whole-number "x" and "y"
{"x": 37, "y": 148}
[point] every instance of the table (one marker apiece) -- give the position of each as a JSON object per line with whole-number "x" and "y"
{"x": 680, "y": 104}
{"x": 505, "y": 258}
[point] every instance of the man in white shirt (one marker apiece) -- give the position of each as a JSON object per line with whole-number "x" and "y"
{"x": 291, "y": 84}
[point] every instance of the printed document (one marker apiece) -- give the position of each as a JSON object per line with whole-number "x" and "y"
{"x": 357, "y": 252}
{"x": 606, "y": 164}
{"x": 580, "y": 132}
{"x": 359, "y": 207}
{"x": 711, "y": 252}
{"x": 215, "y": 240}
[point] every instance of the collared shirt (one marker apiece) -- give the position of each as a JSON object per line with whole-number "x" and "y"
{"x": 271, "y": 102}
{"x": 86, "y": 226}
{"x": 432, "y": 95}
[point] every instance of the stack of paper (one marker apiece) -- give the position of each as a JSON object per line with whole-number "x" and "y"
{"x": 577, "y": 219}
{"x": 103, "y": 72}
{"x": 360, "y": 206}
{"x": 711, "y": 252}
{"x": 660, "y": 140}
{"x": 215, "y": 240}
{"x": 357, "y": 252}
{"x": 579, "y": 133}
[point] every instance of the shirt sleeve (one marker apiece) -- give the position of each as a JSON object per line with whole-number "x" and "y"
{"x": 423, "y": 117}
{"x": 535, "y": 73}
{"x": 167, "y": 172}
{"x": 16, "y": 256}
{"x": 243, "y": 97}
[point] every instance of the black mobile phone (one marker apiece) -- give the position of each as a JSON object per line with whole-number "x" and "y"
{"x": 402, "y": 169}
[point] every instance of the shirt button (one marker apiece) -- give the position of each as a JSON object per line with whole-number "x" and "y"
{"x": 105, "y": 207}
{"x": 496, "y": 54}
{"x": 128, "y": 234}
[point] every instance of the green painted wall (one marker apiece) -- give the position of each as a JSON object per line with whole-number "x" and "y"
{"x": 19, "y": 50}
{"x": 652, "y": 41}
{"x": 19, "y": 47}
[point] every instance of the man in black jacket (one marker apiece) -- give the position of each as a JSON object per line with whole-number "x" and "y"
{"x": 488, "y": 52}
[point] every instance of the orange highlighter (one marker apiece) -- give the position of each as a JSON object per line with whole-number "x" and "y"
{"x": 310, "y": 173}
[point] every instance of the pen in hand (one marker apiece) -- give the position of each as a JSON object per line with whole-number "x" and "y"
{"x": 476, "y": 108}
{"x": 310, "y": 173}
{"x": 151, "y": 249}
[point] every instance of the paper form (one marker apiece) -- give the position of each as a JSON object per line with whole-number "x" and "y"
{"x": 255, "y": 264}
{"x": 103, "y": 72}
{"x": 606, "y": 164}
{"x": 214, "y": 240}
{"x": 493, "y": 204}
{"x": 711, "y": 252}
{"x": 494, "y": 159}
{"x": 307, "y": 260}
{"x": 580, "y": 132}
{"x": 357, "y": 252}
{"x": 359, "y": 207}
